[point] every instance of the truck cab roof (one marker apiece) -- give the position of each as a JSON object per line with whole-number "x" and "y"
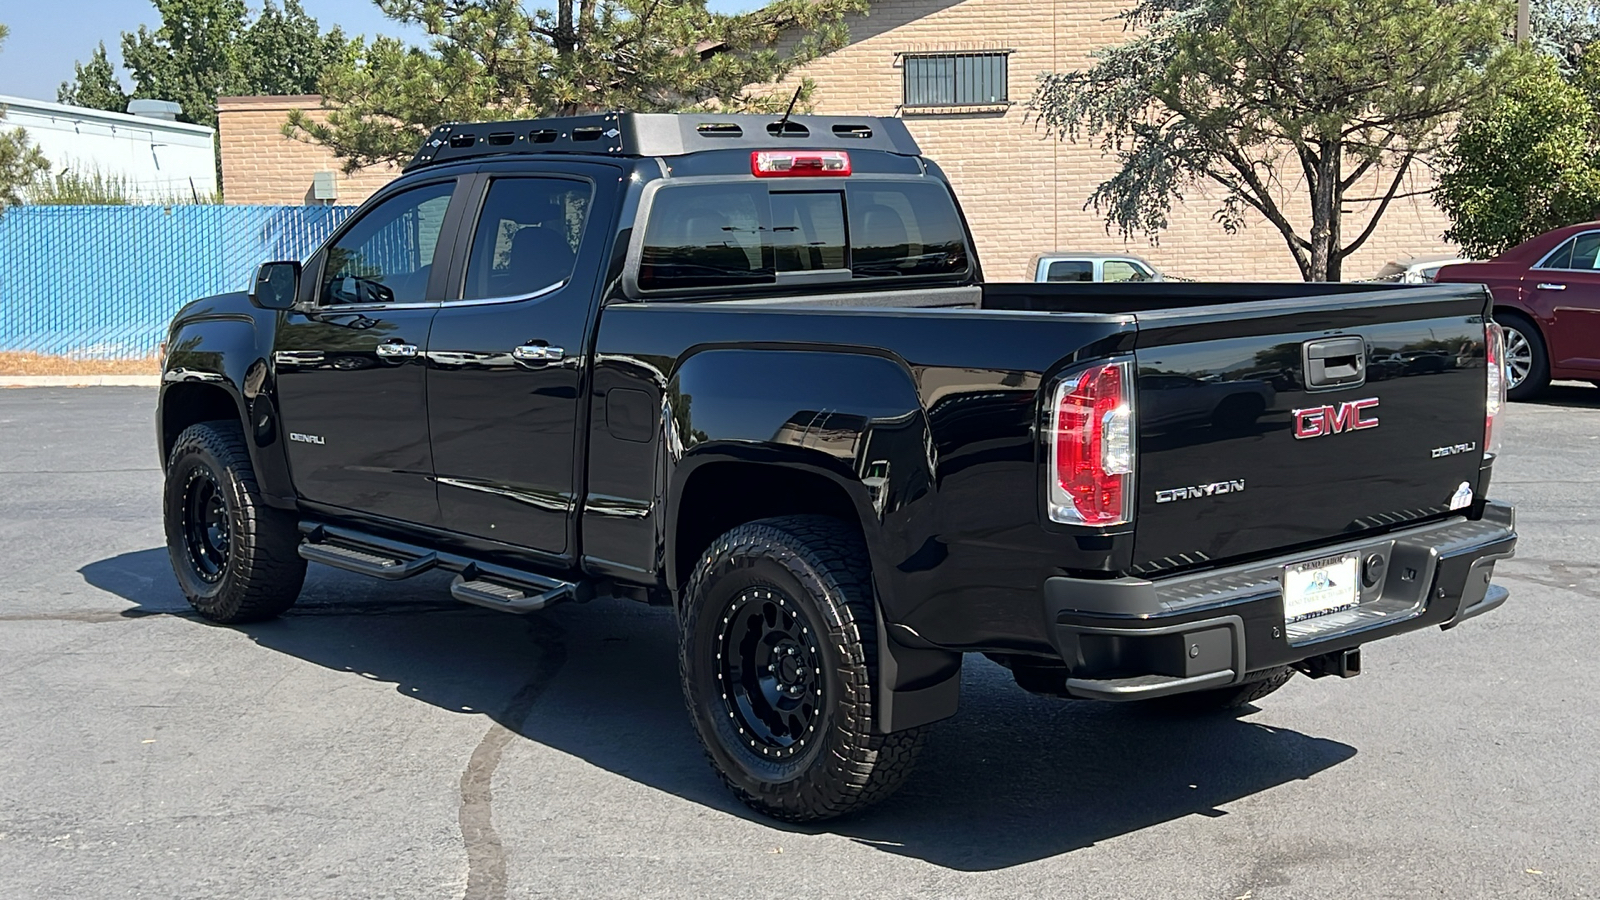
{"x": 640, "y": 135}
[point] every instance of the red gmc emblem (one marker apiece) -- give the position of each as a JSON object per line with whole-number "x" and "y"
{"x": 1317, "y": 421}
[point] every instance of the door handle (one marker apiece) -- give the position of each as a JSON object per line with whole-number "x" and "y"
{"x": 397, "y": 350}
{"x": 1547, "y": 286}
{"x": 538, "y": 353}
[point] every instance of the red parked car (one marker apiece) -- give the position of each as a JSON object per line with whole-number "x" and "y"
{"x": 1547, "y": 296}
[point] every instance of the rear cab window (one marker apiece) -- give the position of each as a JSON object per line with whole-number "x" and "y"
{"x": 712, "y": 236}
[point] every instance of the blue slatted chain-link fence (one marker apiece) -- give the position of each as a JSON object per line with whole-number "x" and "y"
{"x": 103, "y": 281}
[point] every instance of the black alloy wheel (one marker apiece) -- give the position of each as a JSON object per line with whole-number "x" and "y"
{"x": 236, "y": 557}
{"x": 206, "y": 535}
{"x": 770, "y": 672}
{"x": 777, "y": 652}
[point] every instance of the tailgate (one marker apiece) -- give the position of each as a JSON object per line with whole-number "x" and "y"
{"x": 1239, "y": 455}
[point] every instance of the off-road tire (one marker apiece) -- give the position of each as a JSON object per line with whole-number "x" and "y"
{"x": 261, "y": 572}
{"x": 1537, "y": 381}
{"x": 1259, "y": 685}
{"x": 819, "y": 568}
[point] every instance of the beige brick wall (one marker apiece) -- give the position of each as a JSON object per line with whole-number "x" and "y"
{"x": 260, "y": 165}
{"x": 1024, "y": 193}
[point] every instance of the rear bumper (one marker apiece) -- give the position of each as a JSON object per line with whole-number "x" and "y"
{"x": 1130, "y": 639}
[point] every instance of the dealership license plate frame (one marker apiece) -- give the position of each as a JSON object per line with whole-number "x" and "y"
{"x": 1319, "y": 587}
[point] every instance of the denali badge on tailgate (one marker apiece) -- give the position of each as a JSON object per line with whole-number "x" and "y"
{"x": 1317, "y": 421}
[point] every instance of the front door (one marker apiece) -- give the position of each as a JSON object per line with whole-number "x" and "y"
{"x": 350, "y": 364}
{"x": 506, "y": 357}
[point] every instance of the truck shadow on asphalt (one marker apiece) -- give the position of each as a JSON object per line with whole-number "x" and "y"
{"x": 1013, "y": 778}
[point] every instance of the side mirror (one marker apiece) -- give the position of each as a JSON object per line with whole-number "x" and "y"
{"x": 276, "y": 285}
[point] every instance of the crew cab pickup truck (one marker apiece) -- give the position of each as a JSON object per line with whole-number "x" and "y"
{"x": 748, "y": 368}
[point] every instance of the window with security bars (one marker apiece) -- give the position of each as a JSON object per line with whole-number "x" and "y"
{"x": 956, "y": 79}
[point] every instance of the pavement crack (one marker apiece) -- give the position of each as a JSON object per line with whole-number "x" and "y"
{"x": 486, "y": 855}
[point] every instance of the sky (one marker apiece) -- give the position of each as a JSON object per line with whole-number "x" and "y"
{"x": 48, "y": 36}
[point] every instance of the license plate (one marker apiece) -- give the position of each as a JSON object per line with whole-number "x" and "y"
{"x": 1319, "y": 587}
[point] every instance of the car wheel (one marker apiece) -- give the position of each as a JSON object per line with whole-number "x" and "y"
{"x": 236, "y": 558}
{"x": 777, "y": 655}
{"x": 1527, "y": 364}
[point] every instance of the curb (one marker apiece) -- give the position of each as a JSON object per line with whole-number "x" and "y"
{"x": 22, "y": 381}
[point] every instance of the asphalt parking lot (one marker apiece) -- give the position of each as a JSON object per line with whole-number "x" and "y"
{"x": 383, "y": 741}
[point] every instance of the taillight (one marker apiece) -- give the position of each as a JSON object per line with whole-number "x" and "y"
{"x": 799, "y": 163}
{"x": 1091, "y": 447}
{"x": 1494, "y": 358}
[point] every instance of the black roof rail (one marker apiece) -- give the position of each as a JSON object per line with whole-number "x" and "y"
{"x": 661, "y": 134}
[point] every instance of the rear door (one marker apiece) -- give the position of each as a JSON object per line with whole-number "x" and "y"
{"x": 506, "y": 353}
{"x": 1270, "y": 455}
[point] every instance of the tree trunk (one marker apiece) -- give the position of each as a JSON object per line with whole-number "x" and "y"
{"x": 1325, "y": 214}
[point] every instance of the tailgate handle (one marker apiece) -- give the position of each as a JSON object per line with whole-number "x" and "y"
{"x": 1335, "y": 362}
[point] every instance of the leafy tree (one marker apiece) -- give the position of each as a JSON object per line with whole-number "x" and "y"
{"x": 20, "y": 162}
{"x": 496, "y": 60}
{"x": 94, "y": 84}
{"x": 1269, "y": 98}
{"x": 1528, "y": 163}
{"x": 205, "y": 49}
{"x": 1563, "y": 28}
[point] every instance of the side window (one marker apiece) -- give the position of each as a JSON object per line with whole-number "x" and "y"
{"x": 527, "y": 237}
{"x": 387, "y": 256}
{"x": 904, "y": 229}
{"x": 1561, "y": 258}
{"x": 1124, "y": 270}
{"x": 1070, "y": 270}
{"x": 1585, "y": 247}
{"x": 707, "y": 236}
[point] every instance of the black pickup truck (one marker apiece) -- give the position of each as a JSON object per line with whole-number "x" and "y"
{"x": 749, "y": 368}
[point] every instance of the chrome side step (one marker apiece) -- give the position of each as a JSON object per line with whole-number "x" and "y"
{"x": 481, "y": 584}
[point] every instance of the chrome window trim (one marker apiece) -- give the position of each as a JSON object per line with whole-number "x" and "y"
{"x": 1553, "y": 250}
{"x": 515, "y": 298}
{"x": 338, "y": 308}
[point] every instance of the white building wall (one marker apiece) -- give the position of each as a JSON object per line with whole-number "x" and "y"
{"x": 159, "y": 160}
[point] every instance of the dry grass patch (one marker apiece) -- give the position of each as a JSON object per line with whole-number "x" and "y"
{"x": 13, "y": 363}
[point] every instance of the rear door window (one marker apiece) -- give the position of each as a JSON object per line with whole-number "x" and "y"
{"x": 1070, "y": 270}
{"x": 746, "y": 234}
{"x": 1585, "y": 249}
{"x": 527, "y": 237}
{"x": 1561, "y": 258}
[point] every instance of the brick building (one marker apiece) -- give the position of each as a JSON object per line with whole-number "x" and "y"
{"x": 960, "y": 73}
{"x": 261, "y": 165}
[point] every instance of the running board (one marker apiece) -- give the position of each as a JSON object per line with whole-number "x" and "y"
{"x": 481, "y": 584}
{"x": 320, "y": 547}
{"x": 511, "y": 596}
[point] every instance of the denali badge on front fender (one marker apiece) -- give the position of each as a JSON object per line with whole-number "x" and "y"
{"x": 1232, "y": 486}
{"x": 306, "y": 438}
{"x": 1318, "y": 421}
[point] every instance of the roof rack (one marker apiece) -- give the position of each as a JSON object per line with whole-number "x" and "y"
{"x": 661, "y": 134}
